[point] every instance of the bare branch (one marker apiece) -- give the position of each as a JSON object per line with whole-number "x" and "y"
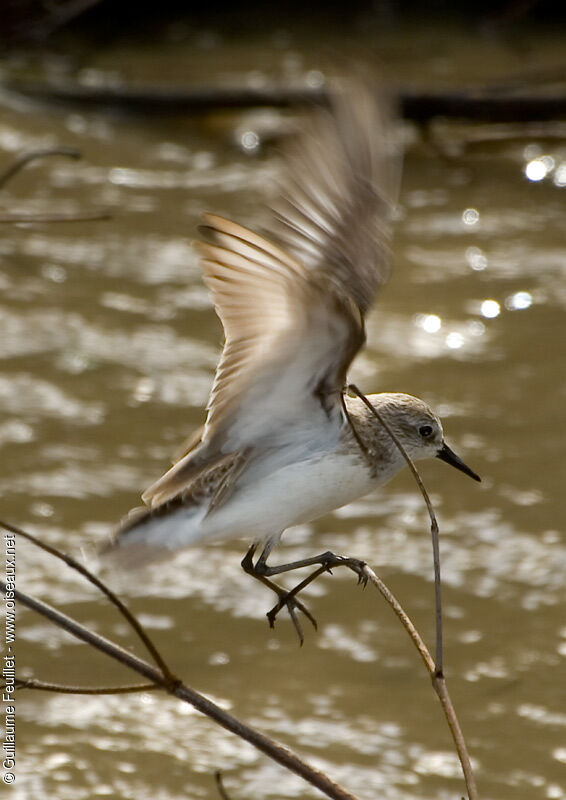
{"x": 404, "y": 618}
{"x": 79, "y": 216}
{"x": 34, "y": 155}
{"x": 438, "y": 682}
{"x": 435, "y": 669}
{"x": 260, "y": 741}
{"x": 220, "y": 785}
{"x": 175, "y": 686}
{"x": 433, "y": 526}
{"x": 60, "y": 688}
{"x": 22, "y": 161}
{"x": 132, "y": 621}
{"x": 439, "y": 685}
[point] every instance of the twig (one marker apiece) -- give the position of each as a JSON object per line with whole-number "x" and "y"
{"x": 260, "y": 741}
{"x": 435, "y": 669}
{"x": 220, "y": 785}
{"x": 19, "y": 217}
{"x": 60, "y": 688}
{"x": 132, "y": 621}
{"x": 172, "y": 686}
{"x": 433, "y": 526}
{"x": 33, "y": 155}
{"x": 357, "y": 437}
{"x": 80, "y": 216}
{"x": 438, "y": 682}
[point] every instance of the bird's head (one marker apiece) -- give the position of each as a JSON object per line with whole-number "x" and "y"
{"x": 418, "y": 428}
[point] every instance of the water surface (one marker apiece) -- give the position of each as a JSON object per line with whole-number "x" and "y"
{"x": 108, "y": 347}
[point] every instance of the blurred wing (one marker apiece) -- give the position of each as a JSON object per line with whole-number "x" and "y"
{"x": 338, "y": 191}
{"x": 292, "y": 303}
{"x": 288, "y": 340}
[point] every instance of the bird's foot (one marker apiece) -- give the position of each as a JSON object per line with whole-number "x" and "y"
{"x": 288, "y": 599}
{"x": 330, "y": 560}
{"x": 327, "y": 562}
{"x": 290, "y": 602}
{"x": 355, "y": 564}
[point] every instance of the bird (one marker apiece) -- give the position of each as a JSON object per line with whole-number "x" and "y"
{"x": 284, "y": 442}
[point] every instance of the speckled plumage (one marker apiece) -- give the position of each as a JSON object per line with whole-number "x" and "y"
{"x": 277, "y": 448}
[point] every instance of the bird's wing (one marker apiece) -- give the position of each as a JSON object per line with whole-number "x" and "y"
{"x": 338, "y": 191}
{"x": 292, "y": 302}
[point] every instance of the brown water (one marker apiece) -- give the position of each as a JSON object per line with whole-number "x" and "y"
{"x": 108, "y": 347}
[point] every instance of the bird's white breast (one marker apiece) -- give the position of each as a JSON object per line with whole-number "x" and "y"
{"x": 291, "y": 495}
{"x": 266, "y": 501}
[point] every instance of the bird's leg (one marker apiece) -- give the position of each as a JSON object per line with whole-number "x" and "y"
{"x": 326, "y": 560}
{"x": 291, "y": 595}
{"x": 285, "y": 599}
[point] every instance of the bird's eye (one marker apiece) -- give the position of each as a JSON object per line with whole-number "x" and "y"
{"x": 425, "y": 430}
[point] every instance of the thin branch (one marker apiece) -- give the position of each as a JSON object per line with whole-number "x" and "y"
{"x": 21, "y": 217}
{"x": 60, "y": 688}
{"x": 132, "y": 621}
{"x": 433, "y": 526}
{"x": 220, "y": 786}
{"x": 260, "y": 741}
{"x": 439, "y": 685}
{"x": 33, "y": 155}
{"x": 171, "y": 686}
{"x": 357, "y": 437}
{"x": 80, "y": 216}
{"x": 404, "y": 618}
{"x": 435, "y": 669}
{"x": 438, "y": 682}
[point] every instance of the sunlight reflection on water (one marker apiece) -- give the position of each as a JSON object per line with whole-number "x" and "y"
{"x": 108, "y": 348}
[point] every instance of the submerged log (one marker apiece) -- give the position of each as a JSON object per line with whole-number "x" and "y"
{"x": 477, "y": 103}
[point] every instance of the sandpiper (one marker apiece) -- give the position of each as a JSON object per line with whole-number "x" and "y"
{"x": 283, "y": 443}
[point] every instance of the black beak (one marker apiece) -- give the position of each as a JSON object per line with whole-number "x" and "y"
{"x": 448, "y": 455}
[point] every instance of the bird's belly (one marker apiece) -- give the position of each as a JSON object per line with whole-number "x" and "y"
{"x": 295, "y": 494}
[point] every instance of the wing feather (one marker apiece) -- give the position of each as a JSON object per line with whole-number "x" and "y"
{"x": 292, "y": 302}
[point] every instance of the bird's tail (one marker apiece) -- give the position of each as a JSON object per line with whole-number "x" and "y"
{"x": 148, "y": 535}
